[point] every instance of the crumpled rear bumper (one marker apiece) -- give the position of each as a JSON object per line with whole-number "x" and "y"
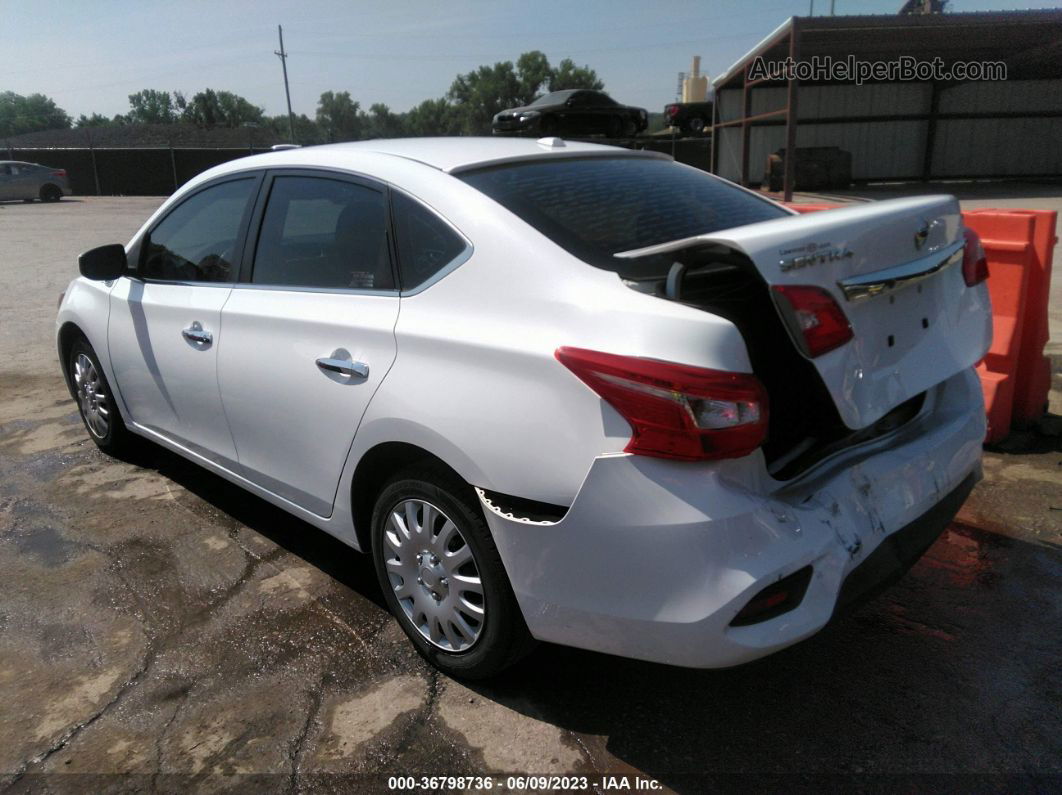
{"x": 655, "y": 558}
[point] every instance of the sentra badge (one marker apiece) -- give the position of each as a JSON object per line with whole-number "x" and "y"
{"x": 811, "y": 254}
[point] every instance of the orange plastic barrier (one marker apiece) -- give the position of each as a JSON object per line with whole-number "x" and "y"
{"x": 1033, "y": 371}
{"x": 1007, "y": 240}
{"x": 1015, "y": 374}
{"x": 811, "y": 208}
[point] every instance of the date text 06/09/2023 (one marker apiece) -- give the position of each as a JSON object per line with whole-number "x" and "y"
{"x": 524, "y": 783}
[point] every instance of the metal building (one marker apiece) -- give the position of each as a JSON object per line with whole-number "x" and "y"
{"x": 898, "y": 128}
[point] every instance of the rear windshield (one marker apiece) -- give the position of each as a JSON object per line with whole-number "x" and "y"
{"x": 596, "y": 208}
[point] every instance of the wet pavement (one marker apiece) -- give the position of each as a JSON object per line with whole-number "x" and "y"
{"x": 160, "y": 629}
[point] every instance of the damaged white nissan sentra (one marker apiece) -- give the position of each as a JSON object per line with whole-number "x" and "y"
{"x": 559, "y": 391}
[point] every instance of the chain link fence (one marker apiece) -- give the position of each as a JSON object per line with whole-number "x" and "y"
{"x": 159, "y": 171}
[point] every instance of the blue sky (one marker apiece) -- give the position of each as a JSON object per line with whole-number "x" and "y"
{"x": 89, "y": 55}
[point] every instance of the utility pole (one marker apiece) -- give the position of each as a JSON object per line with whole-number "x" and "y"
{"x": 287, "y": 91}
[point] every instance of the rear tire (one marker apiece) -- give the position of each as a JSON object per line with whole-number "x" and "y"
{"x": 696, "y": 125}
{"x": 460, "y": 614}
{"x": 51, "y": 193}
{"x": 95, "y": 400}
{"x": 29, "y": 201}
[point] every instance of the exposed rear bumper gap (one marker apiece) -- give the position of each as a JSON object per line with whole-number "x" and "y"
{"x": 520, "y": 509}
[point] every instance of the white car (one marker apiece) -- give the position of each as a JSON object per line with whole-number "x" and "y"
{"x": 559, "y": 391}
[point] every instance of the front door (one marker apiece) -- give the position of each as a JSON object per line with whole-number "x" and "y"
{"x": 165, "y": 321}
{"x": 309, "y": 334}
{"x": 7, "y": 182}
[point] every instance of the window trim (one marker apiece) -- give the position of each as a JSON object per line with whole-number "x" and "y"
{"x": 460, "y": 259}
{"x": 258, "y": 216}
{"x": 137, "y": 271}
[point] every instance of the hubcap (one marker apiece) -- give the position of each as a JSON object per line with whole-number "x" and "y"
{"x": 434, "y": 575}
{"x": 91, "y": 396}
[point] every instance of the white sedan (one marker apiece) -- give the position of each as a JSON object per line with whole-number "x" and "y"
{"x": 559, "y": 391}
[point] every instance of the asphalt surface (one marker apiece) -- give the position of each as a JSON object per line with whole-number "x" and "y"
{"x": 162, "y": 630}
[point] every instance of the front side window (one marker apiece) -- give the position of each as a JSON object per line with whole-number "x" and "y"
{"x": 426, "y": 244}
{"x": 197, "y": 241}
{"x": 324, "y": 233}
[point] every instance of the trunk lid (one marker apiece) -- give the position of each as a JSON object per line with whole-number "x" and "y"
{"x": 894, "y": 268}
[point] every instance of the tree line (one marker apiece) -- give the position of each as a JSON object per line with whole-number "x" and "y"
{"x": 466, "y": 109}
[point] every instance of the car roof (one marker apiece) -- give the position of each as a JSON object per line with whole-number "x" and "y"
{"x": 454, "y": 154}
{"x": 461, "y": 153}
{"x": 451, "y": 155}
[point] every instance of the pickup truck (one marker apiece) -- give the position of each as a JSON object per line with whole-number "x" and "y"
{"x": 693, "y": 118}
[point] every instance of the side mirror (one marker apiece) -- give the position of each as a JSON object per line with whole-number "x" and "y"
{"x": 103, "y": 263}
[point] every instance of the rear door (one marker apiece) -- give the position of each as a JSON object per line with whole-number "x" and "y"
{"x": 26, "y": 181}
{"x": 601, "y": 109}
{"x": 894, "y": 267}
{"x": 309, "y": 331}
{"x": 165, "y": 329}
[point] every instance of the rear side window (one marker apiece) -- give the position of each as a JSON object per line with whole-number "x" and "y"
{"x": 325, "y": 233}
{"x": 197, "y": 241}
{"x": 598, "y": 207}
{"x": 426, "y": 244}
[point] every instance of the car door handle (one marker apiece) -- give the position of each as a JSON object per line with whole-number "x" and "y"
{"x": 344, "y": 366}
{"x": 195, "y": 333}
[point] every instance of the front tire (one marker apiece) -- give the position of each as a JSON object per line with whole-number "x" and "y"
{"x": 442, "y": 576}
{"x": 95, "y": 401}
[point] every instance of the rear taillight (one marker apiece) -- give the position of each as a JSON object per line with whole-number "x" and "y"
{"x": 59, "y": 172}
{"x": 816, "y": 321}
{"x": 671, "y": 110}
{"x": 675, "y": 410}
{"x": 974, "y": 261}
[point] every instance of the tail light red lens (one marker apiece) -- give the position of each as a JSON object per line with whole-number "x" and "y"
{"x": 974, "y": 261}
{"x": 59, "y": 172}
{"x": 675, "y": 410}
{"x": 671, "y": 110}
{"x": 816, "y": 321}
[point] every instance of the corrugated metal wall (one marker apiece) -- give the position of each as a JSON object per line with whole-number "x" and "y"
{"x": 884, "y": 150}
{"x": 1010, "y": 146}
